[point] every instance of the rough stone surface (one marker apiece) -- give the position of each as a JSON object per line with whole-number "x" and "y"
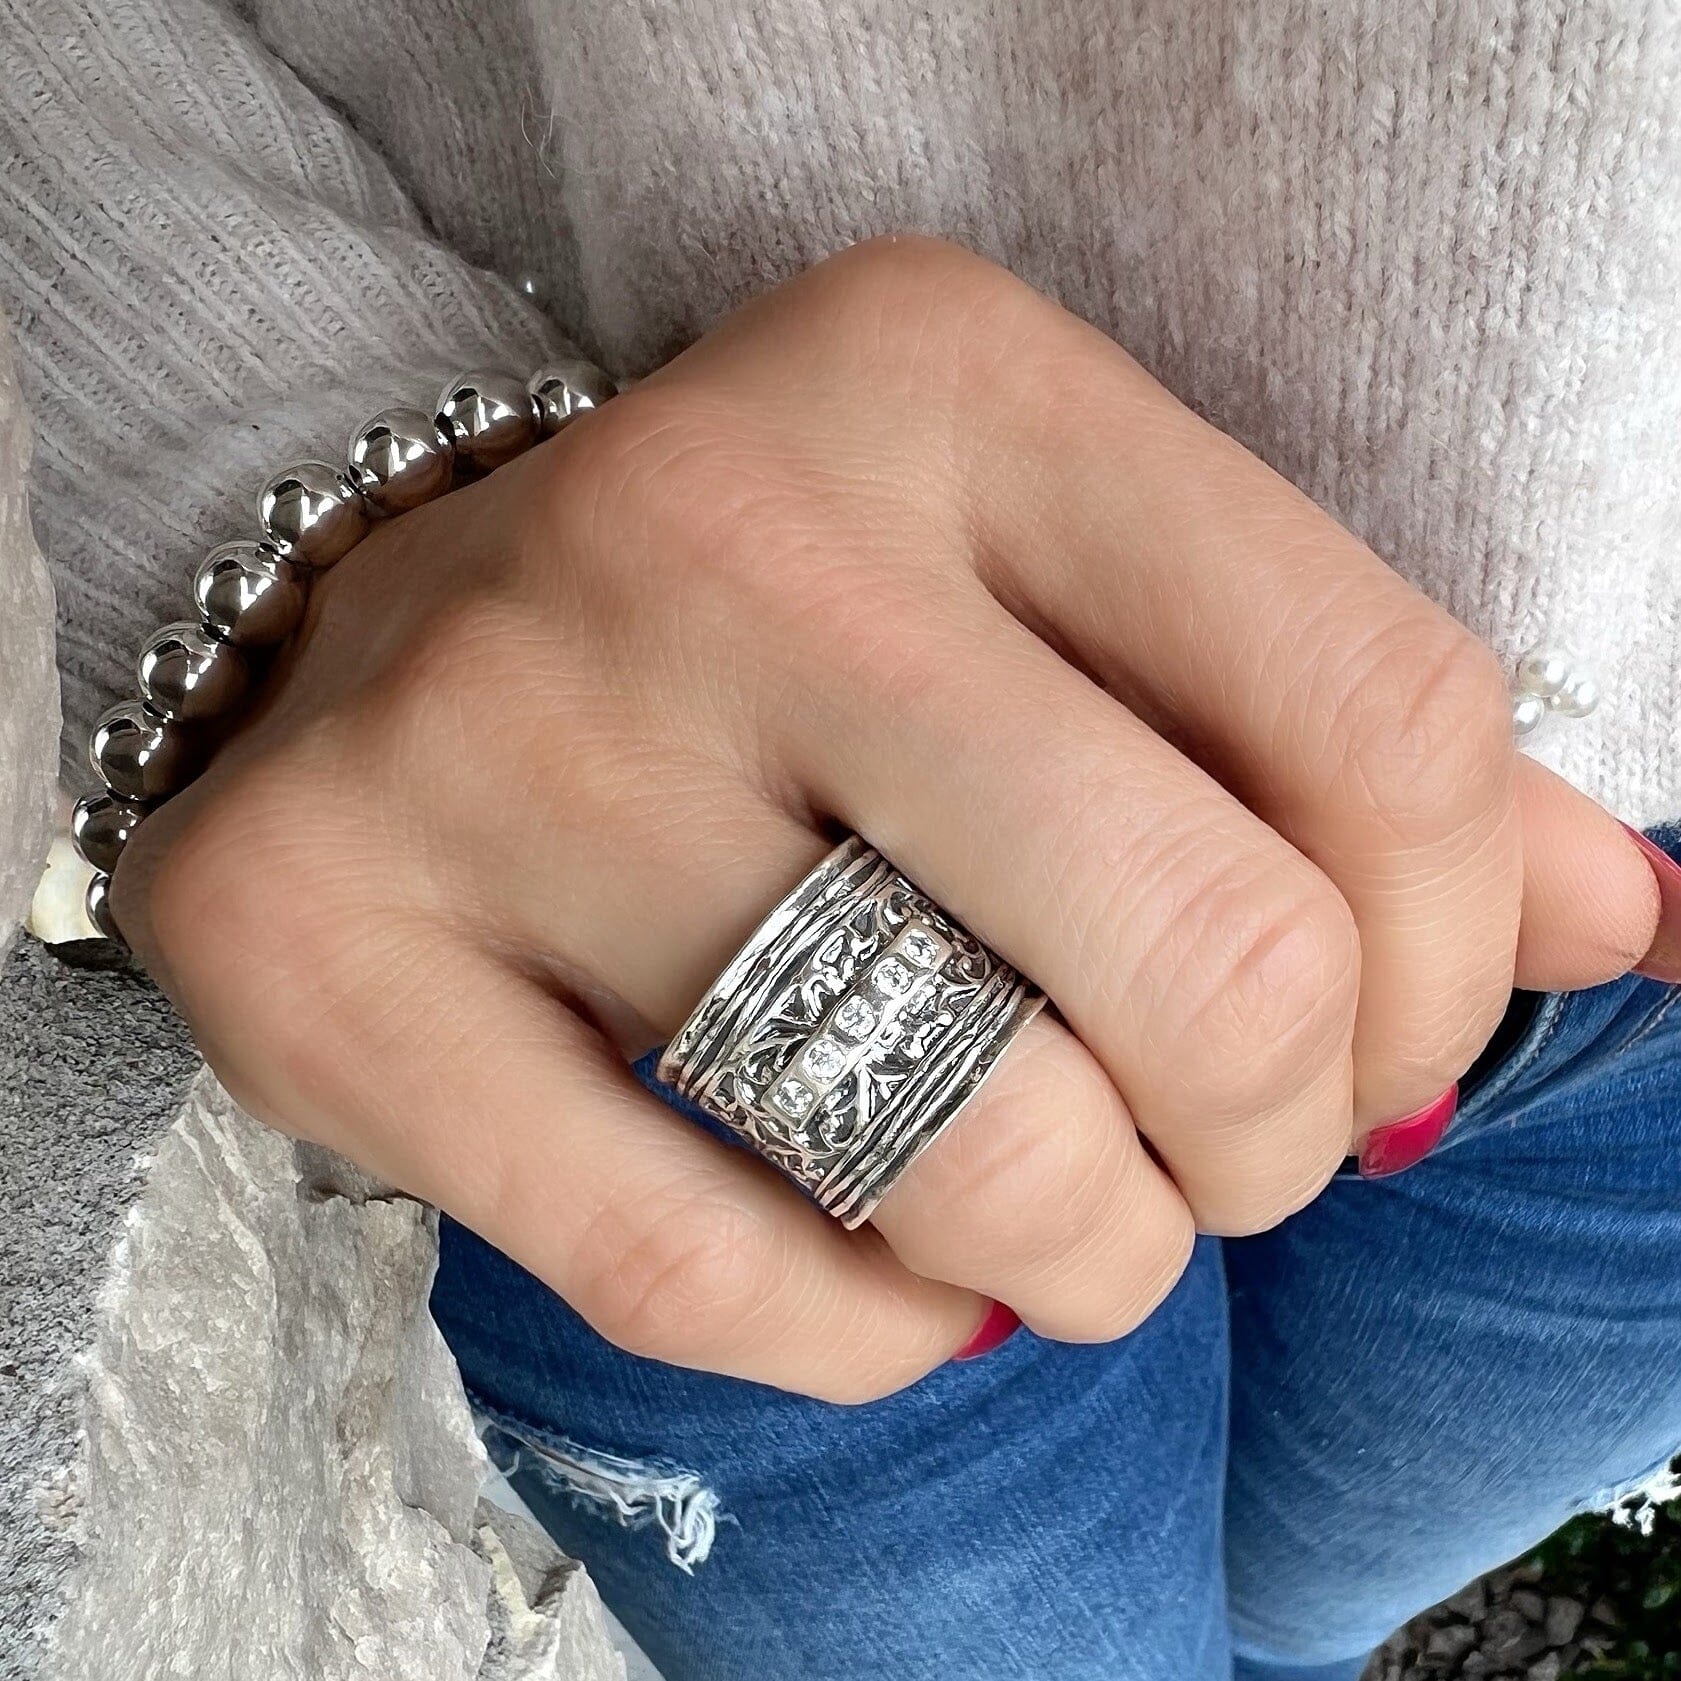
{"x": 545, "y": 1615}
{"x": 274, "y": 1483}
{"x": 93, "y": 1065}
{"x": 281, "y": 1476}
{"x": 232, "y": 1442}
{"x": 29, "y": 707}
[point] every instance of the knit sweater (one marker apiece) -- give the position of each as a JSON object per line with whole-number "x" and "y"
{"x": 1425, "y": 260}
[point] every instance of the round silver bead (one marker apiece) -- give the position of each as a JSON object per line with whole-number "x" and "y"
{"x": 1577, "y": 698}
{"x": 141, "y": 755}
{"x": 247, "y": 594}
{"x": 566, "y": 389}
{"x": 1543, "y": 672}
{"x": 1528, "y": 711}
{"x": 187, "y": 674}
{"x": 401, "y": 460}
{"x": 99, "y": 910}
{"x": 313, "y": 514}
{"x": 101, "y": 826}
{"x": 489, "y": 418}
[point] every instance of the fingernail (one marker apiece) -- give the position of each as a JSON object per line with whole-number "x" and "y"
{"x": 1663, "y": 961}
{"x": 1406, "y": 1142}
{"x": 999, "y": 1326}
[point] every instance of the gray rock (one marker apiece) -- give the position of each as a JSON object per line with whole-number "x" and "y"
{"x": 275, "y": 1406}
{"x": 1510, "y": 1638}
{"x": 1452, "y": 1641}
{"x": 274, "y": 1483}
{"x": 546, "y": 1619}
{"x": 93, "y": 1067}
{"x": 29, "y": 708}
{"x": 1529, "y": 1603}
{"x": 1563, "y": 1621}
{"x": 1470, "y": 1602}
{"x": 1504, "y": 1626}
{"x": 1606, "y": 1614}
{"x": 1548, "y": 1667}
{"x": 279, "y": 1475}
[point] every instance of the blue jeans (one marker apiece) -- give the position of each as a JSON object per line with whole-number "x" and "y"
{"x": 1325, "y": 1429}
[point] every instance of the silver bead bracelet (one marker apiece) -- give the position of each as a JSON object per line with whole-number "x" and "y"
{"x": 250, "y": 595}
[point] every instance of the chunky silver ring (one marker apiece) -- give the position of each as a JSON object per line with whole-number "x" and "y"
{"x": 849, "y": 1031}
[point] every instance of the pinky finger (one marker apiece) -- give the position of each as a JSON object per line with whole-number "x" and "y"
{"x": 1590, "y": 902}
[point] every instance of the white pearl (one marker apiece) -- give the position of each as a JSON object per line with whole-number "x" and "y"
{"x": 1543, "y": 672}
{"x": 1527, "y": 713}
{"x": 1578, "y": 697}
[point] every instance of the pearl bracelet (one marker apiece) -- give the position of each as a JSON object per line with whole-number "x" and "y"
{"x": 1549, "y": 680}
{"x": 250, "y": 595}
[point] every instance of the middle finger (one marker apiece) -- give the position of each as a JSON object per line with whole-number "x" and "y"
{"x": 1211, "y": 968}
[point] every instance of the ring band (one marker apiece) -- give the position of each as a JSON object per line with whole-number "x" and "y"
{"x": 849, "y": 1031}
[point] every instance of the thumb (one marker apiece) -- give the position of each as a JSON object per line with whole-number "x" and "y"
{"x": 1598, "y": 899}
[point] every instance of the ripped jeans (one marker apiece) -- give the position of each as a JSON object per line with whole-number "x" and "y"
{"x": 1325, "y": 1430}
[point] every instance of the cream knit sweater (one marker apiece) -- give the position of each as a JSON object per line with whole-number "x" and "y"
{"x": 1426, "y": 259}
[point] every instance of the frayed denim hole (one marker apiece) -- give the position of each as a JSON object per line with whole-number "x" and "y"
{"x": 1634, "y": 1504}
{"x": 634, "y": 1493}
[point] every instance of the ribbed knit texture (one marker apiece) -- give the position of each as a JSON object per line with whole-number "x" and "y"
{"x": 1426, "y": 260}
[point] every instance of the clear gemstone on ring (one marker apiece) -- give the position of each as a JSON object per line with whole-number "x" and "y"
{"x": 825, "y": 1057}
{"x": 794, "y": 1098}
{"x": 855, "y": 1018}
{"x": 892, "y": 976}
{"x": 920, "y": 947}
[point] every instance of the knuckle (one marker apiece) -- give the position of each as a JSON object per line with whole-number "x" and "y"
{"x": 1263, "y": 1206}
{"x": 247, "y": 927}
{"x": 231, "y": 881}
{"x": 1269, "y": 980}
{"x": 664, "y": 1279}
{"x": 1258, "y": 1173}
{"x": 681, "y": 497}
{"x": 1423, "y": 731}
{"x": 912, "y": 267}
{"x": 925, "y": 313}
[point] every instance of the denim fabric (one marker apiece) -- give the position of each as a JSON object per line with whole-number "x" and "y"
{"x": 1324, "y": 1430}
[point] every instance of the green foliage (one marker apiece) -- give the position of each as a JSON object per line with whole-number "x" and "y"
{"x": 1638, "y": 1577}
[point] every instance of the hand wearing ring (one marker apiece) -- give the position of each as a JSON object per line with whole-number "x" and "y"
{"x": 900, "y": 550}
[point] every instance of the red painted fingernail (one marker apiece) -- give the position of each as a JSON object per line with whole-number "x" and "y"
{"x": 1663, "y": 961}
{"x": 1406, "y": 1142}
{"x": 999, "y": 1326}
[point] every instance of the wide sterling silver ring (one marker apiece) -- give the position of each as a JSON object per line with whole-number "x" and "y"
{"x": 849, "y": 1031}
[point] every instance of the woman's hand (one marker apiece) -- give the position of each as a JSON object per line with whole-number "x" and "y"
{"x": 901, "y": 547}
